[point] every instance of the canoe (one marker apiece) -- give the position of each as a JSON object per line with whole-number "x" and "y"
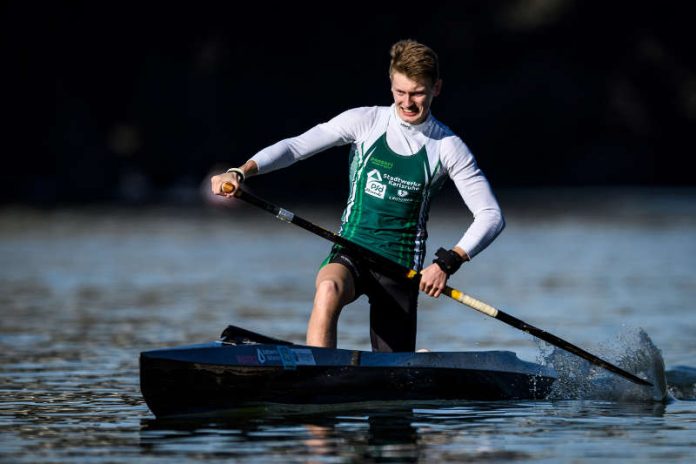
{"x": 246, "y": 369}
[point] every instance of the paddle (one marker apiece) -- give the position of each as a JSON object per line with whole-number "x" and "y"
{"x": 394, "y": 268}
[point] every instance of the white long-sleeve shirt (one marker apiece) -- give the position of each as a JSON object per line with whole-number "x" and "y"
{"x": 447, "y": 156}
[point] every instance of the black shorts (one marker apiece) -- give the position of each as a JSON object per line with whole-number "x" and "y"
{"x": 393, "y": 303}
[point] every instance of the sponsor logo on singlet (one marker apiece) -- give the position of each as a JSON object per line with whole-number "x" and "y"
{"x": 406, "y": 190}
{"x": 381, "y": 163}
{"x": 374, "y": 185}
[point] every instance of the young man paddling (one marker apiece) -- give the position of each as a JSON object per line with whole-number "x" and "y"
{"x": 400, "y": 156}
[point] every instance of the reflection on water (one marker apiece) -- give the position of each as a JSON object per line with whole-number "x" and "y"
{"x": 434, "y": 433}
{"x": 84, "y": 291}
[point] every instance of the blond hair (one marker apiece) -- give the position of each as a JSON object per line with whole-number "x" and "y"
{"x": 415, "y": 61}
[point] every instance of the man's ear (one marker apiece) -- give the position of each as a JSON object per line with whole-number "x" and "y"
{"x": 437, "y": 88}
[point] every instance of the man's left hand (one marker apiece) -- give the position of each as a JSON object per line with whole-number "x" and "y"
{"x": 433, "y": 280}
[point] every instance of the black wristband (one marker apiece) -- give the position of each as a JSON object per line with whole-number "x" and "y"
{"x": 448, "y": 260}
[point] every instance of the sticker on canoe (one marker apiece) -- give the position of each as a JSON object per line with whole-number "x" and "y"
{"x": 267, "y": 355}
{"x": 288, "y": 357}
{"x": 304, "y": 356}
{"x": 247, "y": 359}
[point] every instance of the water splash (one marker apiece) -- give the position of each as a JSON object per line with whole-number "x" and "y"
{"x": 632, "y": 351}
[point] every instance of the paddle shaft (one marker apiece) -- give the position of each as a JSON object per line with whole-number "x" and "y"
{"x": 396, "y": 269}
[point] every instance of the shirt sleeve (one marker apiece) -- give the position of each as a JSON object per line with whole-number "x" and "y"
{"x": 477, "y": 194}
{"x": 347, "y": 127}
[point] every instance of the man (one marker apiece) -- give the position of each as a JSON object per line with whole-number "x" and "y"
{"x": 400, "y": 156}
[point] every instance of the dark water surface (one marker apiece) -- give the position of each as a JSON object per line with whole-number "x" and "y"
{"x": 83, "y": 291}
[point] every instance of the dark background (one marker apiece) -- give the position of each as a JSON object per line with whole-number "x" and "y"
{"x": 137, "y": 103}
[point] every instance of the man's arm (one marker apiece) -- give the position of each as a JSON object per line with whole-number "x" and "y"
{"x": 475, "y": 190}
{"x": 477, "y": 195}
{"x": 345, "y": 128}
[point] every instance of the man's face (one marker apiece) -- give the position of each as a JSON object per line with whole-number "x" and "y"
{"x": 413, "y": 98}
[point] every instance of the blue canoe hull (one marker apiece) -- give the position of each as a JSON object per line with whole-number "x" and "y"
{"x": 224, "y": 375}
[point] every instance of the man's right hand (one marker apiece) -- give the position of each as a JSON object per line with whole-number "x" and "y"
{"x": 217, "y": 181}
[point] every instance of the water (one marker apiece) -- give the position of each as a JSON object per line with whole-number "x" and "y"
{"x": 84, "y": 290}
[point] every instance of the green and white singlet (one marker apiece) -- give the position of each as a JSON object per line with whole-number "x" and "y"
{"x": 395, "y": 169}
{"x": 388, "y": 204}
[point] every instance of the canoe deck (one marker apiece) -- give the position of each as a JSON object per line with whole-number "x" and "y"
{"x": 247, "y": 369}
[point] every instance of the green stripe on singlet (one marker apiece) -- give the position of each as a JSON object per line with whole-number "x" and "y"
{"x": 356, "y": 212}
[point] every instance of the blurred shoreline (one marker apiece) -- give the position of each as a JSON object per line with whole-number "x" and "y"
{"x": 622, "y": 202}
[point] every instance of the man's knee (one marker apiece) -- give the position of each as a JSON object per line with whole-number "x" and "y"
{"x": 329, "y": 289}
{"x": 334, "y": 286}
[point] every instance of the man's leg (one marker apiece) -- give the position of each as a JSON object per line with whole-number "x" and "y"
{"x": 334, "y": 289}
{"x": 393, "y": 314}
